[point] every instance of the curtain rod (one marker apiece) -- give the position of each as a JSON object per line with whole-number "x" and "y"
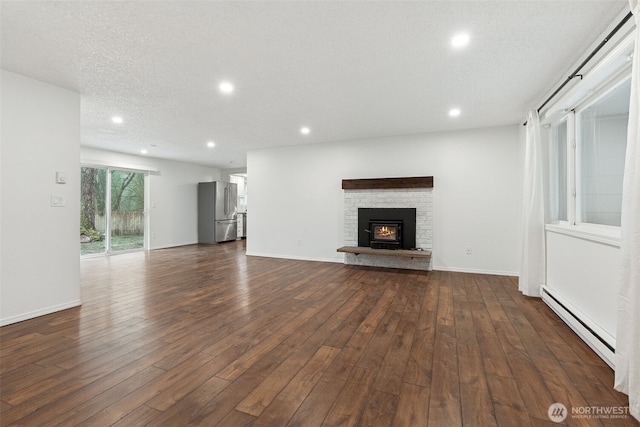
{"x": 591, "y": 55}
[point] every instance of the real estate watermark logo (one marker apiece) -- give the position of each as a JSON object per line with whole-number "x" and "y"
{"x": 557, "y": 412}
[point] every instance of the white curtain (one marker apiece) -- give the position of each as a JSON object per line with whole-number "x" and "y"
{"x": 628, "y": 329}
{"x": 532, "y": 265}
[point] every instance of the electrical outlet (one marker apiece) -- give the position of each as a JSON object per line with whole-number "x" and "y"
{"x": 298, "y": 242}
{"x": 468, "y": 250}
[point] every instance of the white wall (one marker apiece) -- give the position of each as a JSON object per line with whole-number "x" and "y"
{"x": 586, "y": 274}
{"x": 172, "y": 194}
{"x": 296, "y": 205}
{"x": 39, "y": 257}
{"x": 226, "y": 173}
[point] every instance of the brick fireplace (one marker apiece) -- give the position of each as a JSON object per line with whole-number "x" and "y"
{"x": 417, "y": 196}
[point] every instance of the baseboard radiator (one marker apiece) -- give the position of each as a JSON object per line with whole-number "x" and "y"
{"x": 594, "y": 336}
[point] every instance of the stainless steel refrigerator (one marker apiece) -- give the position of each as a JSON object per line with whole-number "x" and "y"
{"x": 217, "y": 212}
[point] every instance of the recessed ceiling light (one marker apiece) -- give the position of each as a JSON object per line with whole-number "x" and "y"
{"x": 305, "y": 130}
{"x": 117, "y": 119}
{"x": 211, "y": 144}
{"x": 143, "y": 151}
{"x": 454, "y": 112}
{"x": 460, "y": 40}
{"x": 225, "y": 87}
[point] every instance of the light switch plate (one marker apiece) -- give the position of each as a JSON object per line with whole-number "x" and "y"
{"x": 57, "y": 201}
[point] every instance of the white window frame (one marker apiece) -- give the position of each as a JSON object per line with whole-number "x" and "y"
{"x": 574, "y": 225}
{"x": 610, "y": 69}
{"x": 109, "y": 168}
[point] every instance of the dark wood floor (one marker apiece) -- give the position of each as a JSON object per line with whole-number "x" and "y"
{"x": 202, "y": 335}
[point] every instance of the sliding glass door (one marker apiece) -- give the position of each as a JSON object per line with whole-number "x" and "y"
{"x": 112, "y": 211}
{"x": 127, "y": 210}
{"x": 92, "y": 207}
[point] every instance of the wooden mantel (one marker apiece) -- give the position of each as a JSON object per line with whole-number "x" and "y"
{"x": 388, "y": 252}
{"x": 387, "y": 183}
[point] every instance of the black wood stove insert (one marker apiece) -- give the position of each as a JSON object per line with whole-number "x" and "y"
{"x": 387, "y": 228}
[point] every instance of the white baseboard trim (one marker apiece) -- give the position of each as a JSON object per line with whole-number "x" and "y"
{"x": 341, "y": 261}
{"x": 173, "y": 245}
{"x": 295, "y": 257}
{"x": 38, "y": 313}
{"x": 594, "y": 336}
{"x": 476, "y": 271}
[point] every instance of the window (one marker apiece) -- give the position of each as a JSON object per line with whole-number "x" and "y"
{"x": 585, "y": 177}
{"x": 602, "y": 144}
{"x": 558, "y": 171}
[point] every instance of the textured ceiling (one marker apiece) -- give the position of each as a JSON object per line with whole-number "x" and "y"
{"x": 348, "y": 70}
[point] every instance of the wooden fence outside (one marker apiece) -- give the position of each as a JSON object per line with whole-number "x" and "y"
{"x": 128, "y": 223}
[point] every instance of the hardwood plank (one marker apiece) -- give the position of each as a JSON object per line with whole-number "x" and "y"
{"x": 315, "y": 407}
{"x": 524, "y": 372}
{"x": 215, "y": 410}
{"x": 183, "y": 381}
{"x": 18, "y": 343}
{"x": 379, "y": 409}
{"x": 111, "y": 413}
{"x": 26, "y": 377}
{"x": 444, "y": 403}
{"x": 393, "y": 366}
{"x": 475, "y": 398}
{"x": 95, "y": 375}
{"x": 301, "y": 324}
{"x": 349, "y": 404}
{"x": 237, "y": 419}
{"x": 413, "y": 406}
{"x": 271, "y": 341}
{"x": 445, "y": 300}
{"x": 562, "y": 389}
{"x": 477, "y": 408}
{"x": 596, "y": 393}
{"x": 509, "y": 407}
{"x": 75, "y": 415}
{"x": 379, "y": 343}
{"x": 370, "y": 323}
{"x": 494, "y": 360}
{"x": 140, "y": 416}
{"x": 44, "y": 347}
{"x": 49, "y": 402}
{"x": 263, "y": 395}
{"x": 196, "y": 403}
{"x": 531, "y": 385}
{"x": 184, "y": 336}
{"x": 420, "y": 361}
{"x": 289, "y": 400}
{"x": 4, "y": 407}
{"x": 180, "y": 350}
{"x": 530, "y": 338}
{"x": 355, "y": 317}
